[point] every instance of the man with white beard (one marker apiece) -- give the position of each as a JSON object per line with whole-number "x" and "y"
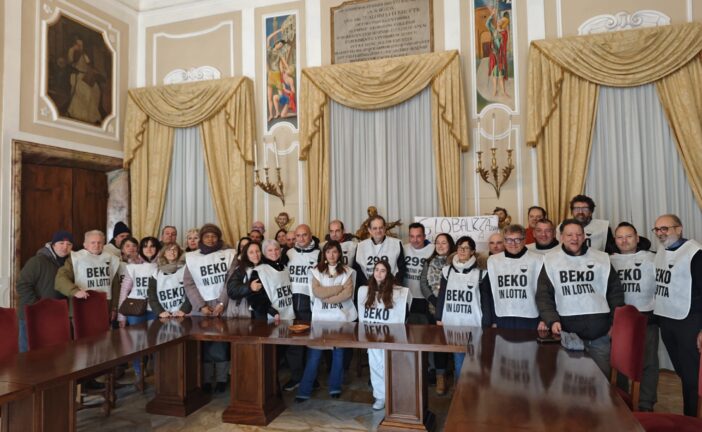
{"x": 678, "y": 303}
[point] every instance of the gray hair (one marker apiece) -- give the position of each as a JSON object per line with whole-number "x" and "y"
{"x": 269, "y": 242}
{"x": 93, "y": 233}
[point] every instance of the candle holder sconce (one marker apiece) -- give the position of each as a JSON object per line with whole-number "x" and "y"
{"x": 491, "y": 175}
{"x": 275, "y": 189}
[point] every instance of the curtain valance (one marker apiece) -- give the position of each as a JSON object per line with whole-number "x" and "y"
{"x": 224, "y": 110}
{"x": 563, "y": 83}
{"x": 379, "y": 84}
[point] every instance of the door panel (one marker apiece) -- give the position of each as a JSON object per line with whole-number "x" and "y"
{"x": 46, "y": 205}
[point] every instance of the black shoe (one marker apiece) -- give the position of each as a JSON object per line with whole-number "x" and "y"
{"x": 335, "y": 395}
{"x": 315, "y": 385}
{"x": 94, "y": 385}
{"x": 207, "y": 388}
{"x": 300, "y": 399}
{"x": 220, "y": 387}
{"x": 431, "y": 377}
{"x": 291, "y": 385}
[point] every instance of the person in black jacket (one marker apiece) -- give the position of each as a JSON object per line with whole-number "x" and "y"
{"x": 577, "y": 292}
{"x": 239, "y": 285}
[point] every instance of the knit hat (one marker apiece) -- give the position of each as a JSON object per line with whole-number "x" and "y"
{"x": 211, "y": 228}
{"x": 61, "y": 235}
{"x": 120, "y": 227}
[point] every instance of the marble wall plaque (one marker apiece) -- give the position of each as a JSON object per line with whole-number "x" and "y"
{"x": 373, "y": 29}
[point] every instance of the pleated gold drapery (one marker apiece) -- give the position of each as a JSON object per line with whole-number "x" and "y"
{"x": 379, "y": 84}
{"x": 563, "y": 83}
{"x": 224, "y": 110}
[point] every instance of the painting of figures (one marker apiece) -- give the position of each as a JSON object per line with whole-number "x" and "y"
{"x": 494, "y": 53}
{"x": 281, "y": 68}
{"x": 79, "y": 71}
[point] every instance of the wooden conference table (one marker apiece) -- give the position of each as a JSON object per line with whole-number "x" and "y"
{"x": 508, "y": 381}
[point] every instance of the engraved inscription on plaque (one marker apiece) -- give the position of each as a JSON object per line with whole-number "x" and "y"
{"x": 373, "y": 29}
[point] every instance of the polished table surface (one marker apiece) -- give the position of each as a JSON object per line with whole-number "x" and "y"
{"x": 509, "y": 382}
{"x": 333, "y": 334}
{"x": 84, "y": 357}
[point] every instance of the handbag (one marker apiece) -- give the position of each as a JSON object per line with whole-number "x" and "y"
{"x": 133, "y": 307}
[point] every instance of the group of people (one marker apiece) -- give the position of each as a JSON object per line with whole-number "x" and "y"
{"x": 565, "y": 279}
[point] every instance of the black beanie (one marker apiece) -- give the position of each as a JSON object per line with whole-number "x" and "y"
{"x": 61, "y": 235}
{"x": 120, "y": 227}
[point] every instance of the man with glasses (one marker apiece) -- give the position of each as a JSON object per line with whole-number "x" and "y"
{"x": 634, "y": 265}
{"x": 512, "y": 280}
{"x": 678, "y": 303}
{"x": 545, "y": 237}
{"x": 597, "y": 233}
{"x": 578, "y": 291}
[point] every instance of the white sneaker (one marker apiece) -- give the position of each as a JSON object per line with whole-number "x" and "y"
{"x": 379, "y": 404}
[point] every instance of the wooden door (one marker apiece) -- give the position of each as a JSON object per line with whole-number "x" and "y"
{"x": 89, "y": 203}
{"x": 47, "y": 193}
{"x": 56, "y": 197}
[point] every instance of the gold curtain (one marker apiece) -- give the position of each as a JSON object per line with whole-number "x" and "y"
{"x": 681, "y": 96}
{"x": 224, "y": 110}
{"x": 379, "y": 84}
{"x": 563, "y": 84}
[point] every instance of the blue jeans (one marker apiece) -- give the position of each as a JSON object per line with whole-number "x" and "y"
{"x": 458, "y": 364}
{"x": 336, "y": 374}
{"x": 599, "y": 350}
{"x": 132, "y": 320}
{"x": 23, "y": 344}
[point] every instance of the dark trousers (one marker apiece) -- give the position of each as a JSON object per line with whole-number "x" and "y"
{"x": 680, "y": 339}
{"x": 295, "y": 355}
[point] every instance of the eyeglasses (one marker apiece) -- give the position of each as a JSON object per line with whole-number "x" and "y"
{"x": 516, "y": 240}
{"x": 663, "y": 229}
{"x": 580, "y": 209}
{"x": 463, "y": 248}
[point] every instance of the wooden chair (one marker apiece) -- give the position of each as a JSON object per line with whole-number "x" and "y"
{"x": 91, "y": 317}
{"x": 667, "y": 422}
{"x": 627, "y": 353}
{"x": 47, "y": 323}
{"x": 9, "y": 333}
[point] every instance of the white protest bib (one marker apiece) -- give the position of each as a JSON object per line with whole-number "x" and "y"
{"x": 414, "y": 261}
{"x": 579, "y": 282}
{"x": 277, "y": 286}
{"x": 462, "y": 302}
{"x": 378, "y": 313}
{"x": 94, "y": 272}
{"x": 299, "y": 266}
{"x": 344, "y": 311}
{"x": 532, "y": 248}
{"x": 638, "y": 276}
{"x": 121, "y": 272}
{"x": 348, "y": 249}
{"x": 140, "y": 275}
{"x": 595, "y": 234}
{"x": 209, "y": 272}
{"x": 170, "y": 290}
{"x": 674, "y": 280}
{"x": 368, "y": 253}
{"x": 513, "y": 283}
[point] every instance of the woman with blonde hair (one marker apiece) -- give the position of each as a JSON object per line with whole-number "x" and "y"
{"x": 166, "y": 292}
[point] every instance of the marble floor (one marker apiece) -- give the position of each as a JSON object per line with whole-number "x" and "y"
{"x": 352, "y": 412}
{"x": 321, "y": 413}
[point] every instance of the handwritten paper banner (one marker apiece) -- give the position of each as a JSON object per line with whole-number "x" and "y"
{"x": 479, "y": 228}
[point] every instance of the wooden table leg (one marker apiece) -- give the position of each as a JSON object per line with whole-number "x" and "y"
{"x": 406, "y": 393}
{"x": 48, "y": 409}
{"x": 178, "y": 382}
{"x": 255, "y": 392}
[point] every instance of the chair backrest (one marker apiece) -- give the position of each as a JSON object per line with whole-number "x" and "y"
{"x": 628, "y": 341}
{"x": 47, "y": 323}
{"x": 9, "y": 333}
{"x": 90, "y": 315}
